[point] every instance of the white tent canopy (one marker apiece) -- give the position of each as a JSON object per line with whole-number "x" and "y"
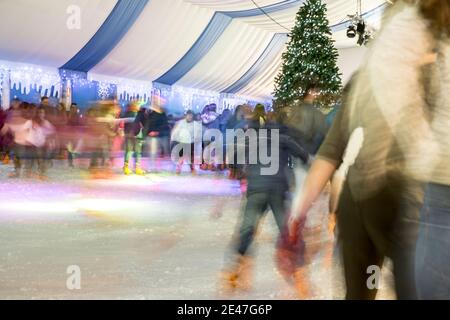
{"x": 226, "y": 46}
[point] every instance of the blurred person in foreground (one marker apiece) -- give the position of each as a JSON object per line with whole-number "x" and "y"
{"x": 379, "y": 205}
{"x": 429, "y": 159}
{"x": 264, "y": 190}
{"x": 134, "y": 122}
{"x": 19, "y": 126}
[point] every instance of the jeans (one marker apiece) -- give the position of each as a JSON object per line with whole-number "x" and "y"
{"x": 385, "y": 224}
{"x": 433, "y": 246}
{"x": 256, "y": 207}
{"x": 133, "y": 146}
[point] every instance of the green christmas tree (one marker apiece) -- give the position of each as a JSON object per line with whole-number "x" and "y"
{"x": 310, "y": 59}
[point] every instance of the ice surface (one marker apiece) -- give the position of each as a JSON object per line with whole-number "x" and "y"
{"x": 160, "y": 236}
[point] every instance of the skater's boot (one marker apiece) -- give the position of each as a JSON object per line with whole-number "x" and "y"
{"x": 302, "y": 284}
{"x": 139, "y": 170}
{"x": 14, "y": 174}
{"x": 126, "y": 169}
{"x": 6, "y": 159}
{"x": 178, "y": 169}
{"x": 239, "y": 276}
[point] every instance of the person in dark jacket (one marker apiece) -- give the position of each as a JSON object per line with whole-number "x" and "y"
{"x": 267, "y": 187}
{"x": 158, "y": 133}
{"x": 74, "y": 129}
{"x": 307, "y": 122}
{"x": 134, "y": 122}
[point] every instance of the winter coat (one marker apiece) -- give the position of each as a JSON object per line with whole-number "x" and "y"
{"x": 308, "y": 125}
{"x": 158, "y": 122}
{"x": 258, "y": 181}
{"x": 187, "y": 132}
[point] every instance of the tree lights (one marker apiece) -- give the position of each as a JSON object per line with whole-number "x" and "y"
{"x": 310, "y": 58}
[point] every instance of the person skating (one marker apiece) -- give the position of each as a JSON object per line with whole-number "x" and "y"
{"x": 134, "y": 138}
{"x": 158, "y": 132}
{"x": 19, "y": 126}
{"x": 264, "y": 190}
{"x": 188, "y": 134}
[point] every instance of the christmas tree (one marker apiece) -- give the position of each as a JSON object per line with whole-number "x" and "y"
{"x": 310, "y": 59}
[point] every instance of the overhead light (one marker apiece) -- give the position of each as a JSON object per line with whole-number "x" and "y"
{"x": 351, "y": 31}
{"x": 358, "y": 27}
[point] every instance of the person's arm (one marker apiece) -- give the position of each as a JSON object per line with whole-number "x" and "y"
{"x": 319, "y": 175}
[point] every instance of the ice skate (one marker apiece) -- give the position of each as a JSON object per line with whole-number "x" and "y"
{"x": 14, "y": 174}
{"x": 302, "y": 284}
{"x": 238, "y": 277}
{"x": 139, "y": 171}
{"x": 126, "y": 169}
{"x": 5, "y": 160}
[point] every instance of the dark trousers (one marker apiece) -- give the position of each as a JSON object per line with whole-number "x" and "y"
{"x": 255, "y": 209}
{"x": 40, "y": 156}
{"x": 23, "y": 156}
{"x": 385, "y": 224}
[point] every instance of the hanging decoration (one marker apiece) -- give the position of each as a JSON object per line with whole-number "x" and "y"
{"x": 29, "y": 77}
{"x": 127, "y": 89}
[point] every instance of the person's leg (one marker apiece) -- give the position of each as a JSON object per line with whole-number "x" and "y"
{"x": 17, "y": 151}
{"x": 129, "y": 144}
{"x": 153, "y": 146}
{"x": 181, "y": 158}
{"x": 28, "y": 158}
{"x": 160, "y": 152}
{"x": 254, "y": 210}
{"x": 277, "y": 202}
{"x": 404, "y": 241}
{"x": 138, "y": 149}
{"x": 192, "y": 157}
{"x": 40, "y": 159}
{"x": 238, "y": 273}
{"x": 70, "y": 156}
{"x": 359, "y": 252}
{"x": 391, "y": 220}
{"x": 165, "y": 147}
{"x": 433, "y": 254}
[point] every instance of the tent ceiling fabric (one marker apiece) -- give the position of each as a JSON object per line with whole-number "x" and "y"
{"x": 114, "y": 28}
{"x": 158, "y": 40}
{"x": 238, "y": 48}
{"x": 205, "y": 44}
{"x": 26, "y": 34}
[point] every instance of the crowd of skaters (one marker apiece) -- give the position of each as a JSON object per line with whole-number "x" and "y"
{"x": 33, "y": 136}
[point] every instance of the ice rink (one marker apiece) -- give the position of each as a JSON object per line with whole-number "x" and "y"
{"x": 160, "y": 236}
